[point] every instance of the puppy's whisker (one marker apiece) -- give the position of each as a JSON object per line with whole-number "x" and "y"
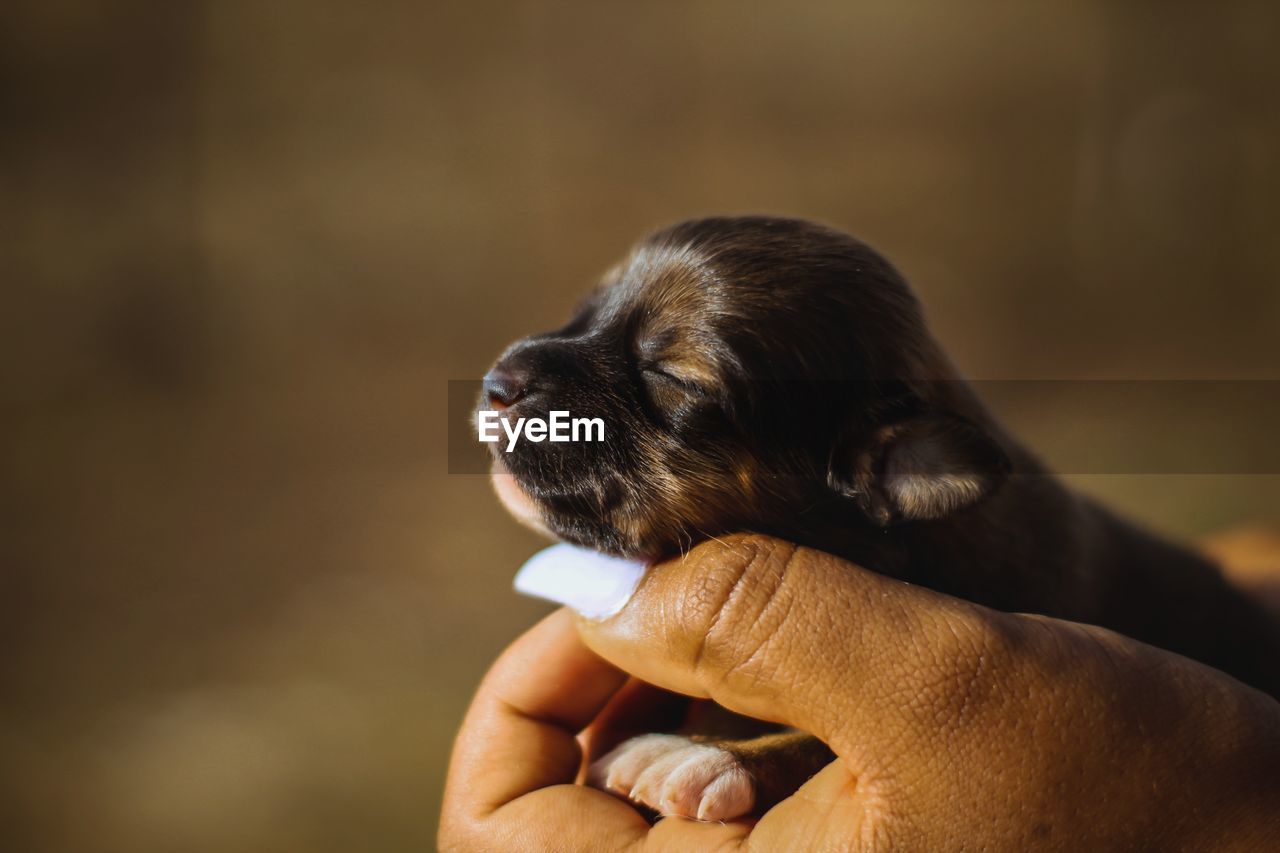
{"x": 707, "y": 535}
{"x": 687, "y": 546}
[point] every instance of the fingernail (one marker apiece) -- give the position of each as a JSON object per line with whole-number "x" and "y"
{"x": 594, "y": 584}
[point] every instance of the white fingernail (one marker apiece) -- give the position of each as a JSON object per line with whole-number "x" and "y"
{"x": 594, "y": 584}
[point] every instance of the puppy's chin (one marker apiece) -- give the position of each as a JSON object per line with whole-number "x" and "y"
{"x": 517, "y": 500}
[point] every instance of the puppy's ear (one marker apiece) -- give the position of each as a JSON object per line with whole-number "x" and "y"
{"x": 920, "y": 468}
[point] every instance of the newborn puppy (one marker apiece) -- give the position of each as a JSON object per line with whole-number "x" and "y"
{"x": 775, "y": 375}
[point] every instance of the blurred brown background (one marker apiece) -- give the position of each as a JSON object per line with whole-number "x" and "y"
{"x": 245, "y": 245}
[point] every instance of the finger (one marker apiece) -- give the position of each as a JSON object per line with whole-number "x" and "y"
{"x": 560, "y": 817}
{"x": 797, "y": 636}
{"x": 507, "y": 787}
{"x": 579, "y": 818}
{"x": 519, "y": 734}
{"x": 680, "y": 835}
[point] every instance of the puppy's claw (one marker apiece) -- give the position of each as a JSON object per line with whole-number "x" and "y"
{"x": 675, "y": 776}
{"x": 729, "y": 795}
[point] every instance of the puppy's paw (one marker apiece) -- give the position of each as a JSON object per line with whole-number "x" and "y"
{"x": 674, "y": 775}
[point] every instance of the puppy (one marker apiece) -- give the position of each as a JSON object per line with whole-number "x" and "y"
{"x": 776, "y": 375}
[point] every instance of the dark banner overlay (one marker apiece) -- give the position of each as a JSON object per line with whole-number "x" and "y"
{"x": 1076, "y": 426}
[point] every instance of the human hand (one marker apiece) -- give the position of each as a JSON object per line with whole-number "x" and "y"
{"x": 953, "y": 725}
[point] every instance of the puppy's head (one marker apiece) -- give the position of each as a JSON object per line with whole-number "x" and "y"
{"x": 749, "y": 372}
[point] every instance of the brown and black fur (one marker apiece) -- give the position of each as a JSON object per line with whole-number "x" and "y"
{"x": 775, "y": 375}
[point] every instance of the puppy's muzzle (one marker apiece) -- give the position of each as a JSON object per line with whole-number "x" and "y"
{"x": 503, "y": 388}
{"x": 533, "y": 370}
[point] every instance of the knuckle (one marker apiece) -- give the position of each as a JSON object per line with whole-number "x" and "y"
{"x": 738, "y": 583}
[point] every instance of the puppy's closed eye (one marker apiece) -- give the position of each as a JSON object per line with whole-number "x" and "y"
{"x": 675, "y": 375}
{"x": 671, "y": 398}
{"x": 670, "y": 376}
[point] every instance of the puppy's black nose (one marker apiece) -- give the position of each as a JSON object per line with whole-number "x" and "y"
{"x": 505, "y": 387}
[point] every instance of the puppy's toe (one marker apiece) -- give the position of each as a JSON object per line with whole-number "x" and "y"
{"x": 676, "y": 776}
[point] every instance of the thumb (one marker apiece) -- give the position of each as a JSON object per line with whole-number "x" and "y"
{"x": 778, "y": 632}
